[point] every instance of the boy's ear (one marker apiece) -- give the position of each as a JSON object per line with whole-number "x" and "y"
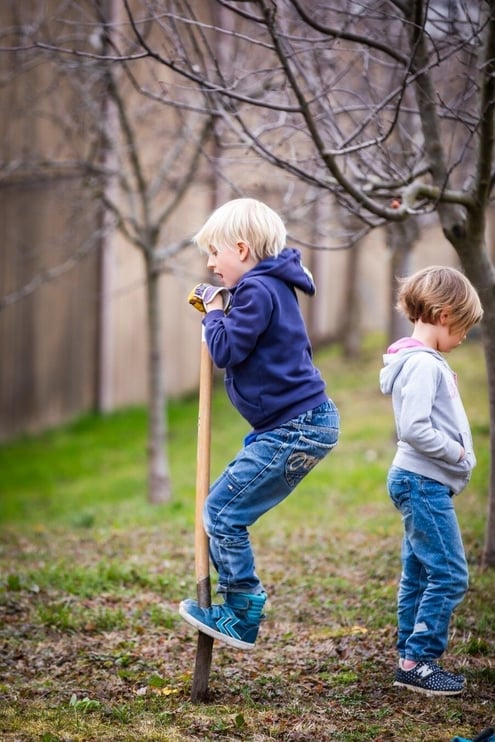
{"x": 243, "y": 250}
{"x": 445, "y": 316}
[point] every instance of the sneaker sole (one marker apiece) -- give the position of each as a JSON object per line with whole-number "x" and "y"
{"x": 230, "y": 640}
{"x": 427, "y": 691}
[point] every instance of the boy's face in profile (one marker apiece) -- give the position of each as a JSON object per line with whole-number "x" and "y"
{"x": 229, "y": 264}
{"x": 446, "y": 339}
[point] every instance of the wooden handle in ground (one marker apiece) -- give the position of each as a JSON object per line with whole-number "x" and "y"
{"x": 199, "y": 690}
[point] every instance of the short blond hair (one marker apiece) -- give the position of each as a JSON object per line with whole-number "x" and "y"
{"x": 244, "y": 220}
{"x": 430, "y": 291}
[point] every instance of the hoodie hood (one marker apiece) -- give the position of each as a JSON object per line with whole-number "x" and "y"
{"x": 287, "y": 267}
{"x": 396, "y": 357}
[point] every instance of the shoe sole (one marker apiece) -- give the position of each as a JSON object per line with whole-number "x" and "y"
{"x": 427, "y": 691}
{"x": 230, "y": 640}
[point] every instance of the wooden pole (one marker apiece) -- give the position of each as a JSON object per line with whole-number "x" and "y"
{"x": 199, "y": 689}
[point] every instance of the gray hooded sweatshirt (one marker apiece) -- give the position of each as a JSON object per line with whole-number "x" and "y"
{"x": 431, "y": 422}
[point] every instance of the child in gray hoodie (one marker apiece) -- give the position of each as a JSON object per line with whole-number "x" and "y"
{"x": 433, "y": 462}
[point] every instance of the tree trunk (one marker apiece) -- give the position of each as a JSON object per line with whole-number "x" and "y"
{"x": 352, "y": 334}
{"x": 475, "y": 260}
{"x": 489, "y": 348}
{"x": 477, "y": 267}
{"x": 158, "y": 470}
{"x": 401, "y": 237}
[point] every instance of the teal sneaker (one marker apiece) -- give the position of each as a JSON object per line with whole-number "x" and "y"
{"x": 235, "y": 622}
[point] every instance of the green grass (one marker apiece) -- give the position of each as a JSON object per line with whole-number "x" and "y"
{"x": 91, "y": 643}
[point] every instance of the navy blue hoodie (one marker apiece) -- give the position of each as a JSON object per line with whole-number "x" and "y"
{"x": 263, "y": 345}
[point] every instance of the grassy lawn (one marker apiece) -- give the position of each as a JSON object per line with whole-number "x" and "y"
{"x": 91, "y": 644}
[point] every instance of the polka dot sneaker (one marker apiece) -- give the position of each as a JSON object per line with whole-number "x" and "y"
{"x": 457, "y": 677}
{"x": 430, "y": 679}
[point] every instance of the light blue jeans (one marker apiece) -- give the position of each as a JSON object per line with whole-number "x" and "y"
{"x": 262, "y": 474}
{"x": 434, "y": 575}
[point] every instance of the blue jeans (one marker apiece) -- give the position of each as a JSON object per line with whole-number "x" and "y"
{"x": 262, "y": 474}
{"x": 434, "y": 575}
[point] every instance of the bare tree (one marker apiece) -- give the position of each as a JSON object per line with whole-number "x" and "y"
{"x": 142, "y": 199}
{"x": 371, "y": 101}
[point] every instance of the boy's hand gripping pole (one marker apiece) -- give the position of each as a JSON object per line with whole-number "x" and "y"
{"x": 199, "y": 689}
